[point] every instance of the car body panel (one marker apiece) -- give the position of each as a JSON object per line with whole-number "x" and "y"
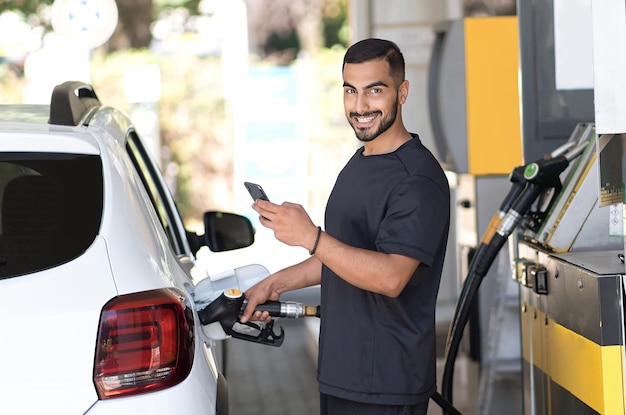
{"x": 37, "y": 141}
{"x": 49, "y": 323}
{"x": 129, "y": 227}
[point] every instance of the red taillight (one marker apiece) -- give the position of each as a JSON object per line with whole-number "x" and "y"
{"x": 145, "y": 343}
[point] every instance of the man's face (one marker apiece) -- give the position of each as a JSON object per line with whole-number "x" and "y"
{"x": 370, "y": 98}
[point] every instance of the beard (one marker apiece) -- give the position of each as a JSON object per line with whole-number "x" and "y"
{"x": 365, "y": 134}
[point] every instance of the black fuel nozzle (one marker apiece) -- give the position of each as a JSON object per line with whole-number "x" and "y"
{"x": 517, "y": 178}
{"x": 227, "y": 308}
{"x": 224, "y": 308}
{"x": 530, "y": 182}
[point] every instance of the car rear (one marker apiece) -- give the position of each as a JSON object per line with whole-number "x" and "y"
{"x": 72, "y": 342}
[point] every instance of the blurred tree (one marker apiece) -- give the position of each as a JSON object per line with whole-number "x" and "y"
{"x": 133, "y": 27}
{"x": 335, "y": 18}
{"x": 27, "y": 7}
{"x": 279, "y": 29}
{"x": 490, "y": 7}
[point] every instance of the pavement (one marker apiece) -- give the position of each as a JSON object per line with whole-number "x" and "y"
{"x": 265, "y": 380}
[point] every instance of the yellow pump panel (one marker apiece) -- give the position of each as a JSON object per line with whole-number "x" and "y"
{"x": 492, "y": 95}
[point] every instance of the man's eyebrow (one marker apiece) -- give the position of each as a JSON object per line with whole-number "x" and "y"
{"x": 372, "y": 85}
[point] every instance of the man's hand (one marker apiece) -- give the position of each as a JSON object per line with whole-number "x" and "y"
{"x": 258, "y": 294}
{"x": 290, "y": 222}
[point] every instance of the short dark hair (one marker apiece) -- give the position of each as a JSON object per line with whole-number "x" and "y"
{"x": 377, "y": 49}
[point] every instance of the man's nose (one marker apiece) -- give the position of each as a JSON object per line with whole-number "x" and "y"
{"x": 362, "y": 104}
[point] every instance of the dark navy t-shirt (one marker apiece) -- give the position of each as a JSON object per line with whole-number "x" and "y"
{"x": 374, "y": 348}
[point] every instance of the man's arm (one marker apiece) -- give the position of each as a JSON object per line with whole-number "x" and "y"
{"x": 369, "y": 270}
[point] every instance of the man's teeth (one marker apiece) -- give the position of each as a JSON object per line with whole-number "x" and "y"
{"x": 364, "y": 119}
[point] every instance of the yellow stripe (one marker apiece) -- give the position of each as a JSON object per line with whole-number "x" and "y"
{"x": 492, "y": 96}
{"x": 592, "y": 373}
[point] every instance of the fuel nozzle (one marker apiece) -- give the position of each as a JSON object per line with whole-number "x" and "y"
{"x": 226, "y": 309}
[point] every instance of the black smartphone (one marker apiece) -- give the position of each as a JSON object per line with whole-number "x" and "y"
{"x": 256, "y": 191}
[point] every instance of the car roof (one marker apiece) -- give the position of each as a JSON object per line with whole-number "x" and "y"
{"x": 72, "y": 104}
{"x": 68, "y": 124}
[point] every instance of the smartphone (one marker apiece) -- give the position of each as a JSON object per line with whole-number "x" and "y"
{"x": 256, "y": 191}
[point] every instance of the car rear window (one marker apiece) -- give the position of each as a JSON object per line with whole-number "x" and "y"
{"x": 50, "y": 209}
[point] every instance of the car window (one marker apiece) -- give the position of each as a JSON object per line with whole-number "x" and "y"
{"x": 50, "y": 209}
{"x": 159, "y": 195}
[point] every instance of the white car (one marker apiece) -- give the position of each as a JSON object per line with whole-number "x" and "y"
{"x": 100, "y": 289}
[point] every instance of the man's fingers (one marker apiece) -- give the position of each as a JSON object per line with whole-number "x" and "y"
{"x": 247, "y": 312}
{"x": 254, "y": 315}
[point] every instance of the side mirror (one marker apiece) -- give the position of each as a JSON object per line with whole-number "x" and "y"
{"x": 223, "y": 232}
{"x": 227, "y": 231}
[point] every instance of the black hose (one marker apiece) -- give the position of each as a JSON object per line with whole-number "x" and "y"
{"x": 444, "y": 404}
{"x": 480, "y": 266}
{"x": 464, "y": 305}
{"x": 465, "y": 287}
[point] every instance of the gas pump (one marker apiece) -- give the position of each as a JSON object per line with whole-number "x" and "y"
{"x": 570, "y": 270}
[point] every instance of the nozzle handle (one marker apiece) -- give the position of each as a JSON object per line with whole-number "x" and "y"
{"x": 289, "y": 309}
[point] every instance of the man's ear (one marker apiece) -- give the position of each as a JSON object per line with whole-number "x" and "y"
{"x": 403, "y": 91}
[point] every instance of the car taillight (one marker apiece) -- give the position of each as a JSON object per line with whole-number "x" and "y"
{"x": 145, "y": 343}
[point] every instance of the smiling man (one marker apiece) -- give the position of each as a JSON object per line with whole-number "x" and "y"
{"x": 380, "y": 256}
{"x": 365, "y": 102}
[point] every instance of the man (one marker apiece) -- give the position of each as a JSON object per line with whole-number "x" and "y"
{"x": 380, "y": 257}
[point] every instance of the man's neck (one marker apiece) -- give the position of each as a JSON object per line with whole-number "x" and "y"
{"x": 388, "y": 142}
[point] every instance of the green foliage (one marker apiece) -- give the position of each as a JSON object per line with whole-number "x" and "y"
{"x": 191, "y": 5}
{"x": 194, "y": 126}
{"x": 335, "y": 23}
{"x": 27, "y": 7}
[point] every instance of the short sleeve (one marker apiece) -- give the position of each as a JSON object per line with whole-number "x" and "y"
{"x": 416, "y": 219}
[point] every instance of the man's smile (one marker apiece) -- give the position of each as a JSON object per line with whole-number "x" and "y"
{"x": 365, "y": 118}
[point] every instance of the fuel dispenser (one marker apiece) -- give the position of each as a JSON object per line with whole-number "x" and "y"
{"x": 568, "y": 261}
{"x": 570, "y": 268}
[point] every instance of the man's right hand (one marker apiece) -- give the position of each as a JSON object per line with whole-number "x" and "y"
{"x": 258, "y": 294}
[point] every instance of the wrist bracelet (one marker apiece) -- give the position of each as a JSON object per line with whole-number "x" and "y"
{"x": 317, "y": 240}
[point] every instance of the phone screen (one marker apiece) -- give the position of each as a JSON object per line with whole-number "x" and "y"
{"x": 256, "y": 191}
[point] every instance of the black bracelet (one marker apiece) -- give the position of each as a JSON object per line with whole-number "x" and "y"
{"x": 317, "y": 240}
